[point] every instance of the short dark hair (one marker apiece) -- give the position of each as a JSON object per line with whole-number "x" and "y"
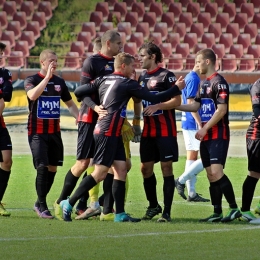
{"x": 2, "y": 46}
{"x": 109, "y": 35}
{"x": 152, "y": 48}
{"x": 208, "y": 54}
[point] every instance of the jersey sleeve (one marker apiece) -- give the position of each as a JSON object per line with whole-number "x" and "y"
{"x": 170, "y": 80}
{"x": 8, "y": 86}
{"x": 65, "y": 94}
{"x": 87, "y": 89}
{"x": 87, "y": 72}
{"x": 222, "y": 91}
{"x": 29, "y": 83}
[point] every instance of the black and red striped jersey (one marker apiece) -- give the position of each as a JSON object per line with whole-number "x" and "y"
{"x": 6, "y": 88}
{"x": 162, "y": 122}
{"x": 44, "y": 112}
{"x": 114, "y": 91}
{"x": 214, "y": 90}
{"x": 96, "y": 65}
{"x": 253, "y": 131}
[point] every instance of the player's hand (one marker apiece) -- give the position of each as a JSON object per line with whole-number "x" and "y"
{"x": 127, "y": 132}
{"x": 50, "y": 70}
{"x": 101, "y": 111}
{"x": 137, "y": 132}
{"x": 150, "y": 110}
{"x": 180, "y": 83}
{"x": 200, "y": 134}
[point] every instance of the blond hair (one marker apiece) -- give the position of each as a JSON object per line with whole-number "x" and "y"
{"x": 123, "y": 57}
{"x": 44, "y": 54}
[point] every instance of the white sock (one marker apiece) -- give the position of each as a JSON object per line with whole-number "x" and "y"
{"x": 183, "y": 178}
{"x": 94, "y": 205}
{"x": 190, "y": 184}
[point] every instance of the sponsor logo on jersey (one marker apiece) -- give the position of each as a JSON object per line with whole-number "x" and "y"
{"x": 208, "y": 90}
{"x": 153, "y": 83}
{"x": 57, "y": 88}
{"x": 1, "y": 80}
{"x": 107, "y": 67}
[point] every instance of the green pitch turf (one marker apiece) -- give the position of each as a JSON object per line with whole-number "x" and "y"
{"x": 25, "y": 236}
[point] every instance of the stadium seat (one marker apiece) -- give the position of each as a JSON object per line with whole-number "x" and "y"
{"x": 229, "y": 63}
{"x": 28, "y": 8}
{"x": 175, "y": 62}
{"x": 126, "y": 28}
{"x": 138, "y": 38}
{"x": 10, "y": 8}
{"x": 111, "y": 4}
{"x": 190, "y": 62}
{"x": 132, "y": 17}
{"x": 212, "y": 8}
{"x": 194, "y": 9}
{"x": 205, "y": 19}
{"x": 147, "y": 3}
{"x": 233, "y": 28}
{"x": 45, "y": 7}
{"x": 256, "y": 4}
{"x": 238, "y": 3}
{"x": 35, "y": 28}
{"x": 114, "y": 17}
{"x": 221, "y": 3}
{"x": 199, "y": 46}
{"x": 191, "y": 39}
{"x": 3, "y": 20}
{"x": 173, "y": 39}
{"x": 208, "y": 39}
{"x": 227, "y": 40}
{"x": 157, "y": 8}
{"x": 84, "y": 37}
{"x": 105, "y": 26}
{"x": 176, "y": 9}
{"x": 2, "y": 3}
{"x": 248, "y": 8}
{"x": 103, "y": 8}
{"x": 23, "y": 47}
{"x": 18, "y": 4}
{"x": 121, "y": 8}
{"x": 15, "y": 27}
{"x": 219, "y": 49}
{"x": 166, "y": 49}
{"x": 131, "y": 48}
{"x": 185, "y": 3}
{"x": 167, "y": 2}
{"x": 187, "y": 19}
{"x": 36, "y": 3}
{"x": 89, "y": 27}
{"x": 247, "y": 63}
{"x": 161, "y": 28}
{"x": 143, "y": 27}
{"x": 29, "y": 37}
{"x": 156, "y": 38}
{"x": 251, "y": 29}
{"x": 7, "y": 48}
{"x": 97, "y": 18}
{"x": 256, "y": 20}
{"x": 223, "y": 19}
{"x": 8, "y": 36}
{"x": 197, "y": 28}
{"x": 16, "y": 59}
{"x": 180, "y": 28}
{"x": 40, "y": 17}
{"x": 216, "y": 29}
{"x": 21, "y": 17}
{"x": 203, "y": 3}
{"x": 230, "y": 8}
{"x": 237, "y": 49}
{"x": 245, "y": 40}
{"x": 72, "y": 60}
{"x": 54, "y": 4}
{"x": 254, "y": 50}
{"x": 241, "y": 19}
{"x": 129, "y": 4}
{"x": 168, "y": 18}
{"x": 257, "y": 39}
{"x": 139, "y": 8}
{"x": 150, "y": 18}
{"x": 183, "y": 49}
{"x": 78, "y": 46}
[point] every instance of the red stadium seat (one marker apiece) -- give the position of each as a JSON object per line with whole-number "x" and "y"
{"x": 251, "y": 29}
{"x": 208, "y": 39}
{"x": 237, "y": 49}
{"x": 230, "y": 8}
{"x": 256, "y": 4}
{"x": 16, "y": 59}
{"x": 191, "y": 39}
{"x": 238, "y": 3}
{"x": 89, "y": 27}
{"x": 173, "y": 39}
{"x": 15, "y": 27}
{"x": 23, "y": 47}
{"x": 176, "y": 9}
{"x": 241, "y": 19}
{"x": 221, "y": 3}
{"x": 233, "y": 28}
{"x": 157, "y": 8}
{"x": 205, "y": 19}
{"x": 131, "y": 48}
{"x": 105, "y": 26}
{"x": 183, "y": 49}
{"x": 167, "y": 2}
{"x": 129, "y": 4}
{"x": 103, "y": 8}
{"x": 229, "y": 63}
{"x": 247, "y": 63}
{"x": 40, "y": 17}
{"x": 72, "y": 60}
{"x": 45, "y": 7}
{"x": 194, "y": 9}
{"x": 126, "y": 28}
{"x": 216, "y": 29}
{"x": 138, "y": 38}
{"x": 156, "y": 38}
{"x": 223, "y": 19}
{"x": 175, "y": 62}
{"x": 7, "y": 50}
{"x": 254, "y": 50}
{"x": 54, "y": 4}
{"x": 21, "y": 17}
{"x": 199, "y": 46}
{"x": 245, "y": 40}
{"x": 114, "y": 17}
{"x": 29, "y": 37}
{"x": 8, "y": 36}
{"x": 28, "y": 8}
{"x": 187, "y": 19}
{"x": 3, "y": 20}
{"x": 2, "y": 3}
{"x": 36, "y": 3}
{"x": 121, "y": 8}
{"x": 257, "y": 39}
{"x": 143, "y": 27}
{"x": 180, "y": 28}
{"x": 139, "y": 8}
{"x": 35, "y": 28}
{"x": 97, "y": 18}
{"x": 84, "y": 37}
{"x": 111, "y": 4}
{"x": 219, "y": 49}
{"x": 78, "y": 46}
{"x": 185, "y": 3}
{"x": 248, "y": 8}
{"x": 147, "y": 3}
{"x": 168, "y": 18}
{"x": 10, "y": 8}
{"x": 203, "y": 3}
{"x": 256, "y": 20}
{"x": 132, "y": 17}
{"x": 161, "y": 28}
{"x": 166, "y": 49}
{"x": 190, "y": 62}
{"x": 197, "y": 28}
{"x": 227, "y": 40}
{"x": 212, "y": 8}
{"x": 150, "y": 18}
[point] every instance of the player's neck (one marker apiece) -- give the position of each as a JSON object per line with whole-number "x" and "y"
{"x": 43, "y": 72}
{"x": 106, "y": 53}
{"x": 153, "y": 67}
{"x": 210, "y": 72}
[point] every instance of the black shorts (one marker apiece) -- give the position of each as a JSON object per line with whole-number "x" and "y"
{"x": 5, "y": 141}
{"x": 47, "y": 149}
{"x": 108, "y": 149}
{"x": 86, "y": 145}
{"x": 253, "y": 154}
{"x": 214, "y": 152}
{"x": 157, "y": 149}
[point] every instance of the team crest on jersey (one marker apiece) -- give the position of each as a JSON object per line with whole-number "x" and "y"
{"x": 153, "y": 83}
{"x": 142, "y": 84}
{"x": 107, "y": 67}
{"x": 208, "y": 90}
{"x": 201, "y": 91}
{"x": 57, "y": 88}
{"x": 1, "y": 80}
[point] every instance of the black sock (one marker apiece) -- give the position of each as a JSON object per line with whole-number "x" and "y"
{"x": 50, "y": 180}
{"x": 84, "y": 198}
{"x": 108, "y": 194}
{"x": 118, "y": 190}
{"x": 101, "y": 199}
{"x": 228, "y": 191}
{"x": 68, "y": 186}
{"x": 248, "y": 192}
{"x": 216, "y": 197}
{"x": 41, "y": 187}
{"x": 86, "y": 184}
{"x": 4, "y": 178}
{"x": 150, "y": 190}
{"x": 168, "y": 192}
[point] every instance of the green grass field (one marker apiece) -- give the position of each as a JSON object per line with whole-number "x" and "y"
{"x": 25, "y": 236}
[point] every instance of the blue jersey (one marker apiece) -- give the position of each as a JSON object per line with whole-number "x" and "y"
{"x": 192, "y": 81}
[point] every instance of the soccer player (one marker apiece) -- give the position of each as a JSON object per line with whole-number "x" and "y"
{"x": 253, "y": 151}
{"x": 96, "y": 65}
{"x": 6, "y": 89}
{"x": 213, "y": 98}
{"x": 114, "y": 90}
{"x": 190, "y": 124}
{"x": 44, "y": 92}
{"x": 159, "y": 136}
